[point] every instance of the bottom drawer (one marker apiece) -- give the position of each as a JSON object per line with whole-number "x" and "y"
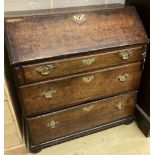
{"x": 65, "y": 122}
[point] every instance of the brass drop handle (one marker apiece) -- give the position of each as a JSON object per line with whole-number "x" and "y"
{"x": 125, "y": 55}
{"x": 48, "y": 94}
{"x": 122, "y": 77}
{"x": 79, "y": 18}
{"x": 53, "y": 124}
{"x": 120, "y": 105}
{"x": 89, "y": 108}
{"x": 44, "y": 70}
{"x": 88, "y": 79}
{"x": 88, "y": 61}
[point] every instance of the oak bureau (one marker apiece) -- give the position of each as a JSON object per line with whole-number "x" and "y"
{"x": 73, "y": 71}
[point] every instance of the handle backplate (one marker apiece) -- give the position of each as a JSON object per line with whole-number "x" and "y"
{"x": 89, "y": 108}
{"x": 44, "y": 70}
{"x": 120, "y": 105}
{"x": 48, "y": 94}
{"x": 88, "y": 61}
{"x": 126, "y": 54}
{"x": 122, "y": 77}
{"x": 53, "y": 124}
{"x": 88, "y": 79}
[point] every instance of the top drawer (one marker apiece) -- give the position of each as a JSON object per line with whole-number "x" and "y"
{"x": 54, "y": 69}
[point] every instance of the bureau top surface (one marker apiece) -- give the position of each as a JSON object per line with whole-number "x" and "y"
{"x": 49, "y": 35}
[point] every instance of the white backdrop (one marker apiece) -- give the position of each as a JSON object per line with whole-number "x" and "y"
{"x": 18, "y": 5}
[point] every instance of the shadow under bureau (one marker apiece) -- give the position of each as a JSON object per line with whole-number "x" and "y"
{"x": 73, "y": 71}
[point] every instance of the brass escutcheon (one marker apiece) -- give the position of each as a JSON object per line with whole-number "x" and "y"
{"x": 44, "y": 70}
{"x": 125, "y": 55}
{"x": 120, "y": 105}
{"x": 79, "y": 18}
{"x": 122, "y": 77}
{"x": 88, "y": 108}
{"x": 48, "y": 94}
{"x": 88, "y": 61}
{"x": 52, "y": 124}
{"x": 88, "y": 79}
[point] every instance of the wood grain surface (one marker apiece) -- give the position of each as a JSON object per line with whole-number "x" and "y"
{"x": 39, "y": 37}
{"x": 74, "y": 65}
{"x": 73, "y": 90}
{"x": 78, "y": 118}
{"x": 73, "y": 100}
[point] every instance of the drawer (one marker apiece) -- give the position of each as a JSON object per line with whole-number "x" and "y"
{"x": 69, "y": 121}
{"x": 65, "y": 92}
{"x": 37, "y": 72}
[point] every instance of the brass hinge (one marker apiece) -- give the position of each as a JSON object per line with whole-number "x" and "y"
{"x": 143, "y": 63}
{"x": 144, "y": 50}
{"x": 144, "y": 54}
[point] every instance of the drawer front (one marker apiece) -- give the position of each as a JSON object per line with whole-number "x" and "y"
{"x": 61, "y": 93}
{"x": 63, "y": 123}
{"x": 31, "y": 73}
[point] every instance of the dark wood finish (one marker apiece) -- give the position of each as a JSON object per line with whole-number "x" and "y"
{"x": 127, "y": 120}
{"x": 78, "y": 118}
{"x": 144, "y": 93}
{"x": 143, "y": 8}
{"x": 76, "y": 91}
{"x": 28, "y": 73}
{"x": 83, "y": 93}
{"x": 42, "y": 35}
{"x": 143, "y": 121}
{"x": 143, "y": 112}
